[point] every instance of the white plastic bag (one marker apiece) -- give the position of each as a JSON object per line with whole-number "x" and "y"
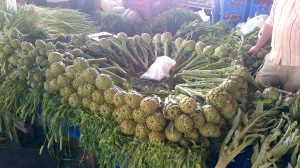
{"x": 159, "y": 69}
{"x": 11, "y": 5}
{"x": 119, "y": 10}
{"x": 108, "y": 5}
{"x": 98, "y": 36}
{"x": 203, "y": 15}
{"x": 251, "y": 24}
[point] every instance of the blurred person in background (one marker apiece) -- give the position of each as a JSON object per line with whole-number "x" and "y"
{"x": 216, "y": 10}
{"x": 282, "y": 65}
{"x": 35, "y": 2}
{"x": 88, "y": 6}
{"x": 59, "y": 3}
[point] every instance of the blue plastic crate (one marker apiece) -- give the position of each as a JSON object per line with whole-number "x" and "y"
{"x": 234, "y": 11}
{"x": 74, "y": 132}
{"x": 262, "y": 8}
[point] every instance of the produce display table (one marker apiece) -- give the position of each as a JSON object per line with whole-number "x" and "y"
{"x": 87, "y": 94}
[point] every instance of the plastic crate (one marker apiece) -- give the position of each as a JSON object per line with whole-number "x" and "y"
{"x": 147, "y": 8}
{"x": 260, "y": 7}
{"x": 74, "y": 132}
{"x": 234, "y": 11}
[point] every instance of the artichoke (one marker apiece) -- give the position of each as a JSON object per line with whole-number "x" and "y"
{"x": 71, "y": 72}
{"x": 98, "y": 96}
{"x": 103, "y": 82}
{"x": 229, "y": 110}
{"x": 149, "y": 105}
{"x": 106, "y": 110}
{"x": 222, "y": 51}
{"x": 27, "y": 46}
{"x": 183, "y": 123}
{"x": 141, "y": 131}
{"x": 188, "y": 105}
{"x": 122, "y": 113}
{"x": 119, "y": 98}
{"x": 133, "y": 99}
{"x": 75, "y": 100}
{"x": 55, "y": 57}
{"x": 53, "y": 85}
{"x": 57, "y": 68}
{"x": 8, "y": 50}
{"x": 193, "y": 135}
{"x": 211, "y": 114}
{"x": 271, "y": 94}
{"x": 172, "y": 134}
{"x": 47, "y": 87}
{"x": 86, "y": 102}
{"x": 139, "y": 116}
{"x": 171, "y": 111}
{"x": 40, "y": 44}
{"x": 242, "y": 84}
{"x": 63, "y": 81}
{"x": 94, "y": 107}
{"x": 109, "y": 94}
{"x": 156, "y": 137}
{"x": 127, "y": 127}
{"x": 67, "y": 91}
{"x": 89, "y": 75}
{"x": 230, "y": 85}
{"x": 80, "y": 64}
{"x": 218, "y": 98}
{"x": 77, "y": 82}
{"x": 85, "y": 90}
{"x": 198, "y": 120}
{"x": 156, "y": 122}
{"x": 210, "y": 130}
{"x": 200, "y": 46}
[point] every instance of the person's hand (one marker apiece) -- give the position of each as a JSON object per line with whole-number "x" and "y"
{"x": 254, "y": 50}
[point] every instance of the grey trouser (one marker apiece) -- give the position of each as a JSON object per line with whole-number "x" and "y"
{"x": 280, "y": 76}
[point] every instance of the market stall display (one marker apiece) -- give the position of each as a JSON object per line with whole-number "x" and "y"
{"x": 209, "y": 101}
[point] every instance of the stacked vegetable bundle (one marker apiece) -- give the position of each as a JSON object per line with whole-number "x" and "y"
{"x": 207, "y": 89}
{"x": 81, "y": 82}
{"x": 135, "y": 54}
{"x": 271, "y": 127}
{"x": 19, "y": 61}
{"x": 210, "y": 84}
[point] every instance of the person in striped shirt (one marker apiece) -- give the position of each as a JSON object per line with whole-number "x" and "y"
{"x": 282, "y": 65}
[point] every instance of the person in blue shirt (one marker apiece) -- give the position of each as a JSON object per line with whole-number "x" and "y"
{"x": 216, "y": 11}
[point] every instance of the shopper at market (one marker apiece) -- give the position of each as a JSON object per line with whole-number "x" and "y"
{"x": 88, "y": 6}
{"x": 282, "y": 65}
{"x": 58, "y": 3}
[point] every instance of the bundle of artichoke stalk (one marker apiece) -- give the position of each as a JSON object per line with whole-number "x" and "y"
{"x": 136, "y": 54}
{"x": 66, "y": 65}
{"x": 84, "y": 86}
{"x": 18, "y": 60}
{"x": 81, "y": 83}
{"x": 272, "y": 129}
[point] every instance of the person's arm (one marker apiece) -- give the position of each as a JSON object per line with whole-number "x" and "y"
{"x": 265, "y": 36}
{"x": 266, "y": 32}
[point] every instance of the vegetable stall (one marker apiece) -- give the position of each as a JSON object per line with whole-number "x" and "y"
{"x": 205, "y": 114}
